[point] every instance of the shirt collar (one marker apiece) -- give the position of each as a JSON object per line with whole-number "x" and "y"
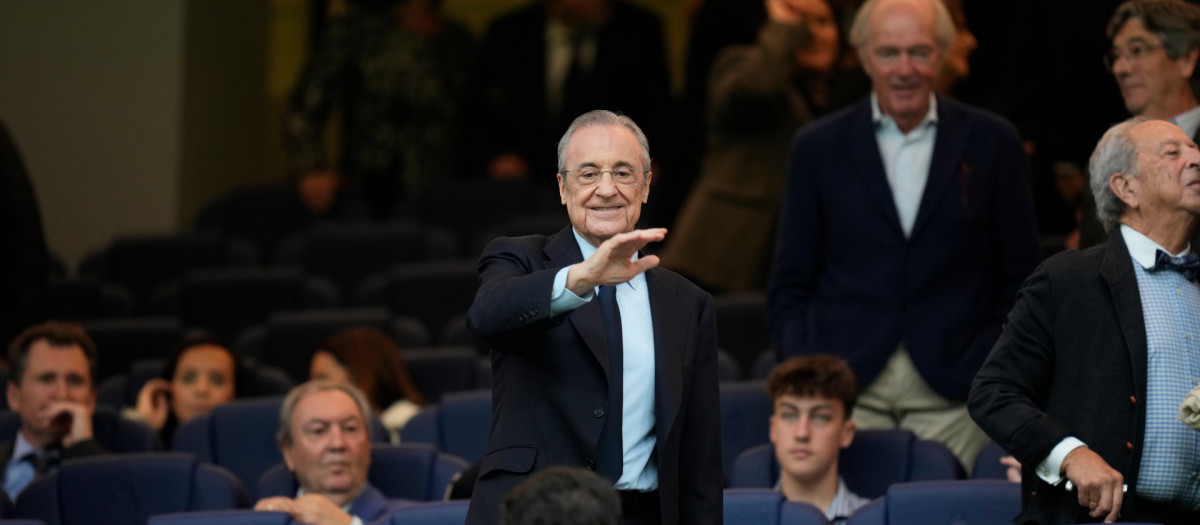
{"x": 1142, "y": 249}
{"x": 587, "y": 249}
{"x": 1188, "y": 121}
{"x": 877, "y": 116}
{"x": 22, "y": 447}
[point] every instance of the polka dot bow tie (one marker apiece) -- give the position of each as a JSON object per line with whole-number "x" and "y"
{"x": 1186, "y": 265}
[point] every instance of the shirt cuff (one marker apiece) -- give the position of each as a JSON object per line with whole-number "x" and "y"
{"x": 356, "y": 521}
{"x": 1050, "y": 469}
{"x": 563, "y": 300}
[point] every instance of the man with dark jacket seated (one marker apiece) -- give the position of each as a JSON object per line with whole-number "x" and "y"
{"x": 51, "y": 389}
{"x": 326, "y": 442}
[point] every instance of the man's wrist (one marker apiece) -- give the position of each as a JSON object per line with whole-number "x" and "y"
{"x": 1050, "y": 469}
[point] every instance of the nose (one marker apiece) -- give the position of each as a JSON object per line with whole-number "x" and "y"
{"x": 607, "y": 185}
{"x": 337, "y": 439}
{"x": 803, "y": 429}
{"x": 1121, "y": 66}
{"x": 60, "y": 390}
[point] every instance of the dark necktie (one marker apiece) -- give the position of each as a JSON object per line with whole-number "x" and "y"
{"x": 43, "y": 461}
{"x": 1186, "y": 265}
{"x": 609, "y": 453}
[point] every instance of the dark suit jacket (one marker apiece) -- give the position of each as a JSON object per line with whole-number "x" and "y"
{"x": 630, "y": 75}
{"x": 550, "y": 386}
{"x": 372, "y": 507}
{"x": 83, "y": 449}
{"x": 1071, "y": 362}
{"x": 848, "y": 282}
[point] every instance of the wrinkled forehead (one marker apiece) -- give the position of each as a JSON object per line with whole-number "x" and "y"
{"x": 326, "y": 406}
{"x": 603, "y": 146}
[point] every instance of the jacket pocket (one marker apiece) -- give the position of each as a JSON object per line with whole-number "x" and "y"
{"x": 515, "y": 460}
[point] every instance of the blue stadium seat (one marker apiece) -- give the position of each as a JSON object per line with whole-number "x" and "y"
{"x": 964, "y": 502}
{"x": 222, "y": 517}
{"x": 767, "y": 507}
{"x": 439, "y": 513}
{"x": 128, "y": 488}
{"x": 440, "y": 370}
{"x": 410, "y": 471}
{"x": 874, "y": 461}
{"x": 745, "y": 415}
{"x": 987, "y": 463}
{"x": 460, "y": 424}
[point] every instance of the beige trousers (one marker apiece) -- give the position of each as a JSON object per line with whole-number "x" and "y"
{"x": 900, "y": 398}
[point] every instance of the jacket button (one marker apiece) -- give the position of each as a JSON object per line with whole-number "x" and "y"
{"x": 1129, "y": 445}
{"x": 591, "y": 464}
{"x": 599, "y": 412}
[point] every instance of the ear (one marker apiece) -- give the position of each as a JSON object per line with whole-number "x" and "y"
{"x": 1187, "y": 62}
{"x": 646, "y": 193}
{"x": 287, "y": 457}
{"x": 562, "y": 189}
{"x": 848, "y": 429}
{"x": 1122, "y": 186}
{"x": 14, "y": 396}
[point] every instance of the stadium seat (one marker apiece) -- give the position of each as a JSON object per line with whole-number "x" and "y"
{"x": 964, "y": 502}
{"x": 767, "y": 507}
{"x": 460, "y": 424}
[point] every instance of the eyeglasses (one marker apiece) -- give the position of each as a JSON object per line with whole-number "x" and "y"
{"x": 1135, "y": 52}
{"x": 590, "y": 176}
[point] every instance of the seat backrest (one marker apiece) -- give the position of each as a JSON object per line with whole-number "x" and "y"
{"x": 967, "y": 502}
{"x": 345, "y": 253}
{"x": 239, "y": 435}
{"x": 129, "y": 488}
{"x": 438, "y": 371}
{"x": 409, "y": 471}
{"x": 434, "y": 292}
{"x": 87, "y": 299}
{"x": 120, "y": 342}
{"x": 438, "y": 513}
{"x": 873, "y": 462}
{"x": 226, "y": 301}
{"x": 745, "y": 417}
{"x": 767, "y": 507}
{"x": 222, "y": 517}
{"x": 460, "y": 424}
{"x": 987, "y": 463}
{"x": 288, "y": 339}
{"x": 742, "y": 325}
{"x": 110, "y": 430}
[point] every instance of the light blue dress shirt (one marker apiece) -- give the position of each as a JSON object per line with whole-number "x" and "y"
{"x": 906, "y": 159}
{"x": 18, "y": 473}
{"x": 640, "y": 472}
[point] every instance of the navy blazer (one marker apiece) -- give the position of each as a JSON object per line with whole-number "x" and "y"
{"x": 847, "y": 281}
{"x": 550, "y": 386}
{"x": 1071, "y": 362}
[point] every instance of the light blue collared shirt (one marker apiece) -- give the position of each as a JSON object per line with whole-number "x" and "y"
{"x": 906, "y": 159}
{"x": 640, "y": 472}
{"x": 18, "y": 473}
{"x": 1142, "y": 250}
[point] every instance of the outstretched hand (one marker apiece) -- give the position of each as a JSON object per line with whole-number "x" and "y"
{"x": 611, "y": 263}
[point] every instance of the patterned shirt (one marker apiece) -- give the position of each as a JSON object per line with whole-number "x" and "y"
{"x": 1170, "y": 469}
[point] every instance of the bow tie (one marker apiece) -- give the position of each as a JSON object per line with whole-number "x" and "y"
{"x": 1186, "y": 265}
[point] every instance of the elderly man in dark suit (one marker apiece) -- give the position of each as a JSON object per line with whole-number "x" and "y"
{"x": 1084, "y": 385}
{"x": 599, "y": 358}
{"x": 906, "y": 230}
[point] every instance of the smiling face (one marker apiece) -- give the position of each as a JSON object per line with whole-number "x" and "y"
{"x": 901, "y": 56}
{"x": 1152, "y": 84}
{"x": 330, "y": 449}
{"x": 605, "y": 208}
{"x": 203, "y": 379}
{"x": 822, "y": 51}
{"x": 808, "y": 433}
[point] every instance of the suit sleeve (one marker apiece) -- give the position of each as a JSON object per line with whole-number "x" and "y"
{"x": 797, "y": 252}
{"x": 513, "y": 298}
{"x": 1011, "y": 387}
{"x": 700, "y": 473}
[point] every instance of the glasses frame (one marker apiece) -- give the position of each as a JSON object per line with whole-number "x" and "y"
{"x": 575, "y": 174}
{"x": 1132, "y": 54}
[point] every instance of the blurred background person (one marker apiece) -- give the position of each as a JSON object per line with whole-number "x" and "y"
{"x": 958, "y": 59}
{"x": 200, "y": 374}
{"x": 398, "y": 72}
{"x": 759, "y": 94}
{"x": 548, "y": 62}
{"x": 370, "y": 359}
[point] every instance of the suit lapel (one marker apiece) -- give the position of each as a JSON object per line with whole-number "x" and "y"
{"x": 562, "y": 250}
{"x": 669, "y": 337}
{"x": 1117, "y": 270}
{"x": 863, "y": 150}
{"x": 951, "y": 139}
